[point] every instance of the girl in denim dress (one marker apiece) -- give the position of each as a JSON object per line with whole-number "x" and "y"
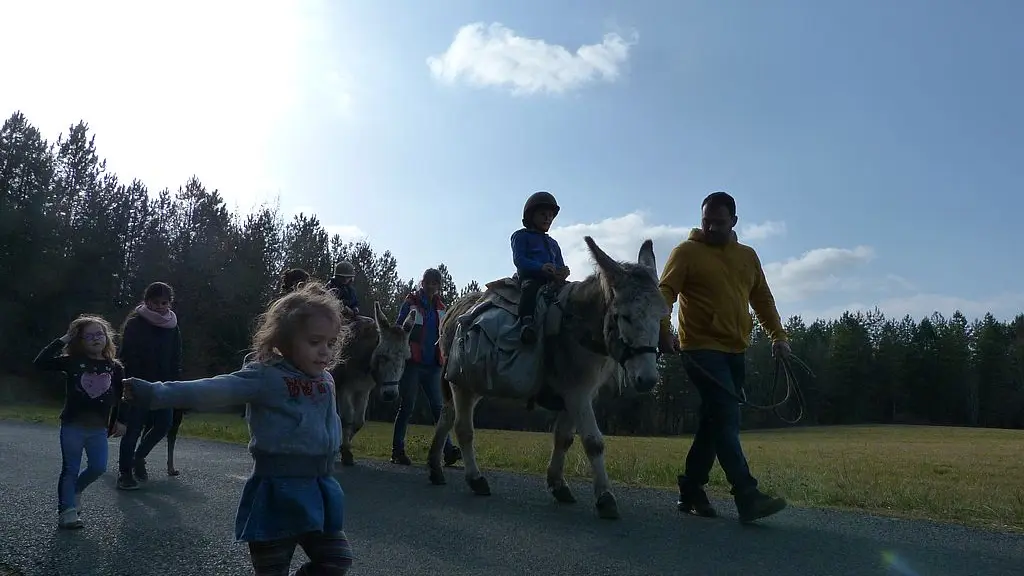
{"x": 291, "y": 498}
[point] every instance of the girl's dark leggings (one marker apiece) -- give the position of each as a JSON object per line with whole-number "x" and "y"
{"x": 329, "y": 555}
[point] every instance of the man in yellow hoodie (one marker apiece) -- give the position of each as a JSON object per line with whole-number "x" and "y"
{"x": 716, "y": 280}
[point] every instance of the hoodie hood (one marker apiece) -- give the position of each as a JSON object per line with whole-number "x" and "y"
{"x": 282, "y": 365}
{"x": 697, "y": 235}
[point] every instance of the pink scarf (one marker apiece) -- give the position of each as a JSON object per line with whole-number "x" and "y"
{"x": 168, "y": 320}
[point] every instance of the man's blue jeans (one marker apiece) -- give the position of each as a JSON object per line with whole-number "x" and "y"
{"x": 415, "y": 378}
{"x": 73, "y": 480}
{"x": 158, "y": 422}
{"x": 719, "y": 377}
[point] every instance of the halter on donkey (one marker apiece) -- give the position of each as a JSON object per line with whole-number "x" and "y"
{"x": 373, "y": 352}
{"x": 598, "y": 326}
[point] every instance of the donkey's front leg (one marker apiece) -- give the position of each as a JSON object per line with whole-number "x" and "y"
{"x": 441, "y": 430}
{"x": 360, "y": 398}
{"x": 465, "y": 403}
{"x": 593, "y": 446}
{"x": 565, "y": 428}
{"x": 347, "y": 413}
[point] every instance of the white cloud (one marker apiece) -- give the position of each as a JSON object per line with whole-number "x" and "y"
{"x": 495, "y": 56}
{"x": 762, "y": 231}
{"x": 620, "y": 237}
{"x": 823, "y": 276}
{"x": 348, "y": 232}
{"x": 816, "y": 271}
{"x": 1003, "y": 306}
{"x": 169, "y": 90}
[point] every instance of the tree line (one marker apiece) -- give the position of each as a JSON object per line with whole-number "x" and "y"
{"x": 75, "y": 238}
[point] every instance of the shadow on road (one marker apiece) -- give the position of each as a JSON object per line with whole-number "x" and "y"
{"x": 401, "y": 524}
{"x": 149, "y": 525}
{"x": 394, "y": 511}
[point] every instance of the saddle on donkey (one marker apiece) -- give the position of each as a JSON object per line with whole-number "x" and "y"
{"x": 487, "y": 347}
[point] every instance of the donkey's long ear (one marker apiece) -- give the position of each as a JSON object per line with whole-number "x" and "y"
{"x": 646, "y": 257}
{"x": 379, "y": 316}
{"x": 606, "y": 263}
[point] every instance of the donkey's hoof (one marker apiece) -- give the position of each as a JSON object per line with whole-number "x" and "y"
{"x": 347, "y": 459}
{"x": 437, "y": 477}
{"x": 606, "y": 507}
{"x": 563, "y": 494}
{"x": 479, "y": 486}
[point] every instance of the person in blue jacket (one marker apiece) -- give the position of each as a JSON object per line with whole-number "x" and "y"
{"x": 342, "y": 285}
{"x": 537, "y": 257}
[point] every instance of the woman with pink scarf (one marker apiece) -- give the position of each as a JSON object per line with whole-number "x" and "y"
{"x": 150, "y": 350}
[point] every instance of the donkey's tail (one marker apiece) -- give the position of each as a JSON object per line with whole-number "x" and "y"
{"x": 446, "y": 386}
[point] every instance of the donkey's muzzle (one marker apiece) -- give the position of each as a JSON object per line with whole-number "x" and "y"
{"x": 389, "y": 392}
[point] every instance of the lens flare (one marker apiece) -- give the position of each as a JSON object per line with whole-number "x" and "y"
{"x": 897, "y": 565}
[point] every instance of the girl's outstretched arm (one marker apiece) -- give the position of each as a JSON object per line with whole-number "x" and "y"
{"x": 244, "y": 386}
{"x": 49, "y": 358}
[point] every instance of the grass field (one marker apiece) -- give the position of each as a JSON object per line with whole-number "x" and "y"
{"x": 969, "y": 476}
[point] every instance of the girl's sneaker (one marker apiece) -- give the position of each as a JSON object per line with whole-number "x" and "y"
{"x": 69, "y": 519}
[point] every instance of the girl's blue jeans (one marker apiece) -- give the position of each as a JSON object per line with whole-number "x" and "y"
{"x": 74, "y": 440}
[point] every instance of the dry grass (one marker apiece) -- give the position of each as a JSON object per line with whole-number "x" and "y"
{"x": 970, "y": 476}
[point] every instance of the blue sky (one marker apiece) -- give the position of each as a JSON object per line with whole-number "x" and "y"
{"x": 874, "y": 148}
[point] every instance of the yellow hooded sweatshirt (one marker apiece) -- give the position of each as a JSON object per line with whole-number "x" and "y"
{"x": 716, "y": 287}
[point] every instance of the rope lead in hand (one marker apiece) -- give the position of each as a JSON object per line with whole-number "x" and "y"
{"x": 784, "y": 367}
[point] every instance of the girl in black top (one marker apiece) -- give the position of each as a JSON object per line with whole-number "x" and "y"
{"x": 93, "y": 389}
{"x": 150, "y": 350}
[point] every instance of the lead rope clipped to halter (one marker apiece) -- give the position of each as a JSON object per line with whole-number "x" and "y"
{"x": 784, "y": 367}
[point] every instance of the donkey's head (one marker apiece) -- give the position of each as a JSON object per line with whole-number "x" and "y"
{"x": 388, "y": 361}
{"x": 634, "y": 309}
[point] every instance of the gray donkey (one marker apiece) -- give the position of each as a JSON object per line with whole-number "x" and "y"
{"x": 607, "y": 321}
{"x": 373, "y": 352}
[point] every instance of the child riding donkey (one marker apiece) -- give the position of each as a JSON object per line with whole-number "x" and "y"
{"x": 537, "y": 257}
{"x": 538, "y": 261}
{"x": 342, "y": 285}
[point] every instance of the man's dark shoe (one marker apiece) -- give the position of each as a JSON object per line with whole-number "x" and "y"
{"x": 693, "y": 500}
{"x": 755, "y": 505}
{"x": 126, "y": 482}
{"x": 452, "y": 455}
{"x": 140, "y": 470}
{"x": 399, "y": 457}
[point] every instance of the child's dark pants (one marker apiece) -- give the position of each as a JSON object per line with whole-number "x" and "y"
{"x": 329, "y": 555}
{"x": 529, "y": 285}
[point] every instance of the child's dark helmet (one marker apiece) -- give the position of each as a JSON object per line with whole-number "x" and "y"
{"x": 540, "y": 199}
{"x": 345, "y": 270}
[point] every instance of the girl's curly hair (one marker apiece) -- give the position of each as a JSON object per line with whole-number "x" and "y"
{"x": 74, "y": 346}
{"x": 287, "y": 316}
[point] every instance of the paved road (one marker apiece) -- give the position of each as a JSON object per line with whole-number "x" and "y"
{"x": 401, "y": 525}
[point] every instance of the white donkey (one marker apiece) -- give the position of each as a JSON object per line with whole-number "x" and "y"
{"x": 373, "y": 352}
{"x": 608, "y": 320}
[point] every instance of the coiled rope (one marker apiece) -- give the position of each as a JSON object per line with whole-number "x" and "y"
{"x": 783, "y": 367}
